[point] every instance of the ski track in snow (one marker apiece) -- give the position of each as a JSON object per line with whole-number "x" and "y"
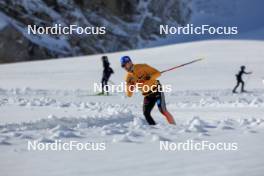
{"x": 115, "y": 123}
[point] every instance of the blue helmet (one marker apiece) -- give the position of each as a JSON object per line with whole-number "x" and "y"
{"x": 124, "y": 60}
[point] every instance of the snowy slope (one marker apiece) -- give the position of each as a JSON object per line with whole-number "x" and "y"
{"x": 244, "y": 14}
{"x": 141, "y": 32}
{"x": 130, "y": 24}
{"x": 53, "y": 100}
{"x": 222, "y": 61}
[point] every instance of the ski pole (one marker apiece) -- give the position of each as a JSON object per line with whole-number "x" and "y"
{"x": 178, "y": 66}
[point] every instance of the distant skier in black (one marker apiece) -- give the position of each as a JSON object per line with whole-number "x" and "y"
{"x": 240, "y": 80}
{"x": 106, "y": 75}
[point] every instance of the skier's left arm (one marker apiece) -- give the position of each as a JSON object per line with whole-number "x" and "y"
{"x": 248, "y": 73}
{"x": 111, "y": 70}
{"x": 152, "y": 73}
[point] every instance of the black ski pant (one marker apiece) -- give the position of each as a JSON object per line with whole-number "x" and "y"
{"x": 239, "y": 81}
{"x": 149, "y": 103}
{"x": 104, "y": 82}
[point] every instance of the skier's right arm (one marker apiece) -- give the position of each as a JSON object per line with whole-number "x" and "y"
{"x": 130, "y": 85}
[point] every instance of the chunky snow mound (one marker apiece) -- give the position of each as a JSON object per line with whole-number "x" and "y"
{"x": 123, "y": 122}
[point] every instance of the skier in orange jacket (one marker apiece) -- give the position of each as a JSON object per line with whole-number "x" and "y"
{"x": 145, "y": 77}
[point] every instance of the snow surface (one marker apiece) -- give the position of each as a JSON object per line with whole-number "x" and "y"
{"x": 222, "y": 61}
{"x": 53, "y": 100}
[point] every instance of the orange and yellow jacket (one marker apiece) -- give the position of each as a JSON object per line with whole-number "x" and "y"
{"x": 143, "y": 74}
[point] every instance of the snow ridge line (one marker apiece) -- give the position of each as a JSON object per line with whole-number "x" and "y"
{"x": 184, "y": 99}
{"x": 69, "y": 122}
